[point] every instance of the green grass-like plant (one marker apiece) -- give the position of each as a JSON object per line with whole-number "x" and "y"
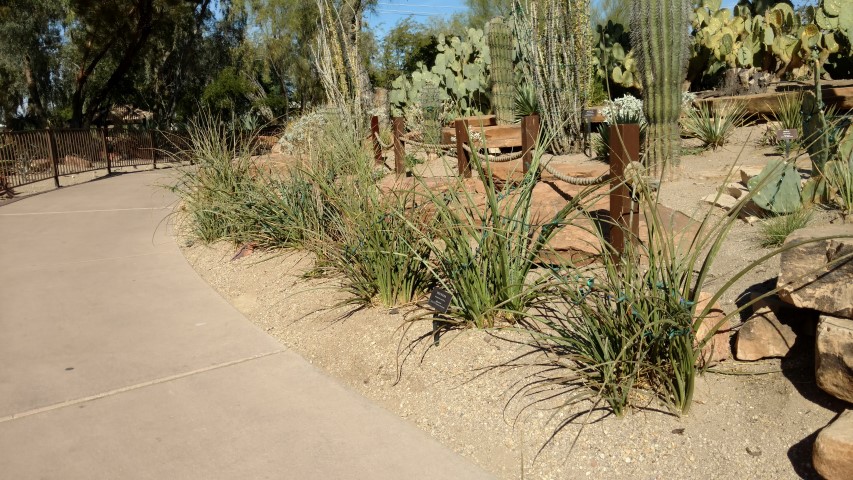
{"x": 484, "y": 255}
{"x": 713, "y": 124}
{"x": 624, "y": 330}
{"x": 775, "y": 230}
{"x": 839, "y": 177}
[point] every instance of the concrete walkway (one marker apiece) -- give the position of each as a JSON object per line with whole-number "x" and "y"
{"x": 117, "y": 361}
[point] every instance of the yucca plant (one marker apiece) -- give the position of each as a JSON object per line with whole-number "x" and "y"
{"x": 625, "y": 328}
{"x": 775, "y": 230}
{"x": 839, "y": 177}
{"x": 484, "y": 254}
{"x": 366, "y": 237}
{"x": 379, "y": 254}
{"x": 215, "y": 190}
{"x": 526, "y": 101}
{"x": 713, "y": 124}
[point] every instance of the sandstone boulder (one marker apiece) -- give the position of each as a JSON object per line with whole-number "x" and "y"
{"x": 749, "y": 171}
{"x": 718, "y": 347}
{"x": 834, "y": 357}
{"x": 764, "y": 336}
{"x": 721, "y": 200}
{"x": 819, "y": 275}
{"x": 833, "y": 449}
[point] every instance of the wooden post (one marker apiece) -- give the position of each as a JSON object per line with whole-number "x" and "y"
{"x": 377, "y": 147}
{"x": 463, "y": 162}
{"x": 624, "y": 144}
{"x": 399, "y": 125}
{"x": 106, "y": 149}
{"x": 54, "y": 156}
{"x": 529, "y": 137}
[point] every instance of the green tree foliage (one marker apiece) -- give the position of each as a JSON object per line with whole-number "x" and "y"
{"x": 480, "y": 12}
{"x": 405, "y": 45}
{"x": 30, "y": 44}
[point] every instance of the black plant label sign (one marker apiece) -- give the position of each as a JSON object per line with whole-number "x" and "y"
{"x": 787, "y": 134}
{"x": 439, "y": 300}
{"x": 589, "y": 114}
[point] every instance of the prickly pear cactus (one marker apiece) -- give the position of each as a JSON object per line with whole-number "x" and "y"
{"x": 777, "y": 188}
{"x": 460, "y": 70}
{"x": 612, "y": 62}
{"x": 501, "y": 70}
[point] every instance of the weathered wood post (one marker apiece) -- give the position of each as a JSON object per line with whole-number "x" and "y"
{"x": 105, "y": 147}
{"x": 377, "y": 147}
{"x": 399, "y": 127}
{"x": 54, "y": 156}
{"x": 624, "y": 144}
{"x": 462, "y": 159}
{"x": 529, "y": 138}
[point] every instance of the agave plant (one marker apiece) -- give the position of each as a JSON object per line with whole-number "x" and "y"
{"x": 713, "y": 123}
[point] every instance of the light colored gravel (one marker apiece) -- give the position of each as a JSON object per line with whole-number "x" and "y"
{"x": 462, "y": 392}
{"x": 469, "y": 392}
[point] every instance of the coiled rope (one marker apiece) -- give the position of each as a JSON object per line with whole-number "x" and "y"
{"x": 385, "y": 146}
{"x": 507, "y": 157}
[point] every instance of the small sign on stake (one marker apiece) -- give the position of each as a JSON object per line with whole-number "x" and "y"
{"x": 788, "y": 134}
{"x": 588, "y": 115}
{"x": 439, "y": 300}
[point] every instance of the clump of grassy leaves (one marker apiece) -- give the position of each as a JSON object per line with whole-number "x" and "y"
{"x": 713, "y": 124}
{"x": 775, "y": 230}
{"x": 368, "y": 239}
{"x": 624, "y": 329}
{"x": 484, "y": 254}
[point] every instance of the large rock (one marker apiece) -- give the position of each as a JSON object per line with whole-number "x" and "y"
{"x": 764, "y": 336}
{"x": 817, "y": 275}
{"x": 833, "y": 449}
{"x": 718, "y": 347}
{"x": 834, "y": 357}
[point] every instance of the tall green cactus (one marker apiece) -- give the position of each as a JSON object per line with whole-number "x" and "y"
{"x": 659, "y": 33}
{"x": 502, "y": 78}
{"x": 431, "y": 105}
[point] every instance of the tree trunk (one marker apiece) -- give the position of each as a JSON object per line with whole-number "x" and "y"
{"x": 34, "y": 104}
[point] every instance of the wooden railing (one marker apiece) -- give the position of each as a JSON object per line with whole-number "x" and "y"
{"x": 39, "y": 155}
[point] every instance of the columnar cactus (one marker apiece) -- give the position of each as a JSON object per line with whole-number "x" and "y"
{"x": 659, "y": 33}
{"x": 431, "y": 105}
{"x": 502, "y": 81}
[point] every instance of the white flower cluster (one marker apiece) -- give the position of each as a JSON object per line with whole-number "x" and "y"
{"x": 625, "y": 109}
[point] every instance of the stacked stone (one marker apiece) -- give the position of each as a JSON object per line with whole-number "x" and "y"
{"x": 815, "y": 284}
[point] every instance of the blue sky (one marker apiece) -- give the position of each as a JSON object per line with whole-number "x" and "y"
{"x": 390, "y": 12}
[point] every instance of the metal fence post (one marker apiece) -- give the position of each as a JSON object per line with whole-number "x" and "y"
{"x": 529, "y": 138}
{"x": 54, "y": 156}
{"x": 153, "y": 149}
{"x": 399, "y": 124}
{"x": 463, "y": 163}
{"x": 624, "y": 144}
{"x": 106, "y": 149}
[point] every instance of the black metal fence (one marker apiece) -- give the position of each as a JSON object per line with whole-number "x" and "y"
{"x": 38, "y": 155}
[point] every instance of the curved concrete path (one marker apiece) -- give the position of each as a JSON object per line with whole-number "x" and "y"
{"x": 118, "y": 361}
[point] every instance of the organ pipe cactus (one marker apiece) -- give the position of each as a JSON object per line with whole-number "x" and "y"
{"x": 502, "y": 81}
{"x": 659, "y": 33}
{"x": 431, "y": 104}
